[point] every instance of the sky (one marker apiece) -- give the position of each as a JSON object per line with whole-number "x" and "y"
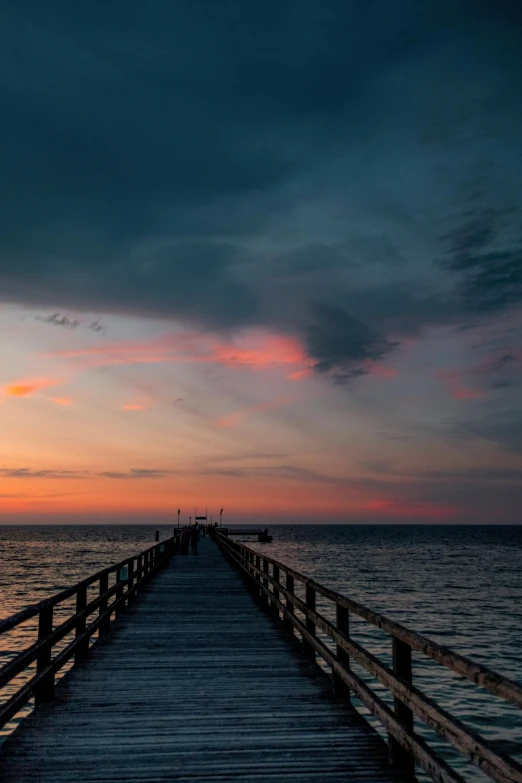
{"x": 261, "y": 256}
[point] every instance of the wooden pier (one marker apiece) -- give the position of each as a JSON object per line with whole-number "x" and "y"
{"x": 211, "y": 675}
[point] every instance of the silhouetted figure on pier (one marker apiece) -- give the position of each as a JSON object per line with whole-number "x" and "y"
{"x": 194, "y": 539}
{"x": 184, "y": 541}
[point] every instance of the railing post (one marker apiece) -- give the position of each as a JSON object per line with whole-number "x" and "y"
{"x": 341, "y": 689}
{"x": 130, "y": 581}
{"x": 119, "y": 589}
{"x": 139, "y": 574}
{"x": 288, "y": 603}
{"x": 257, "y": 577}
{"x": 105, "y": 624}
{"x": 45, "y": 690}
{"x": 81, "y": 623}
{"x": 275, "y": 574}
{"x": 265, "y": 581}
{"x": 157, "y": 535}
{"x": 310, "y": 625}
{"x": 399, "y": 756}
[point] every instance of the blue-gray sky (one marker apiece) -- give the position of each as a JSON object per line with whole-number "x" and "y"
{"x": 340, "y": 180}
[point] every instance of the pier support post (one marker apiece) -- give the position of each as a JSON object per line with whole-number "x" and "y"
{"x": 399, "y": 757}
{"x": 310, "y": 625}
{"x": 45, "y": 690}
{"x": 81, "y": 623}
{"x": 341, "y": 689}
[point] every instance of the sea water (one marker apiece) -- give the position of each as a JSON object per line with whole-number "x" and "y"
{"x": 459, "y": 585}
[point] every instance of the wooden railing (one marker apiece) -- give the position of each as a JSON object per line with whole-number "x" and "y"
{"x": 406, "y": 747}
{"x": 130, "y": 575}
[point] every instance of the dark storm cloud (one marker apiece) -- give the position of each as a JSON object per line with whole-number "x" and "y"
{"x": 228, "y": 164}
{"x": 343, "y": 343}
{"x": 490, "y": 272}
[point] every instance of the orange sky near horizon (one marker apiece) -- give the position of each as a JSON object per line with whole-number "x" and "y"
{"x": 144, "y": 417}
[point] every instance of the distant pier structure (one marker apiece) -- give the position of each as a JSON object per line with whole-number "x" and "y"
{"x": 262, "y": 533}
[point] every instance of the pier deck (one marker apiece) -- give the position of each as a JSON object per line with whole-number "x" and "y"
{"x": 196, "y": 683}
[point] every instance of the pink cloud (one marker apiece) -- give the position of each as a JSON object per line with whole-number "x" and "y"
{"x": 457, "y": 382}
{"x": 464, "y": 393}
{"x": 256, "y": 350}
{"x": 453, "y": 382}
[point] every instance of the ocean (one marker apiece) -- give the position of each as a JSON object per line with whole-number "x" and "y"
{"x": 459, "y": 585}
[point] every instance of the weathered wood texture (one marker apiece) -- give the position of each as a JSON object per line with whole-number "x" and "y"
{"x": 196, "y": 683}
{"x": 128, "y": 583}
{"x": 405, "y": 745}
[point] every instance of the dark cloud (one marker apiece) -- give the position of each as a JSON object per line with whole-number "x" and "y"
{"x": 70, "y": 323}
{"x": 60, "y": 320}
{"x": 491, "y": 281}
{"x": 342, "y": 344}
{"x": 490, "y": 272}
{"x": 28, "y": 473}
{"x": 227, "y": 164}
{"x": 135, "y": 473}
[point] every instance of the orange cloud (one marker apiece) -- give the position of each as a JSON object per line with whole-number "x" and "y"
{"x": 61, "y": 400}
{"x": 27, "y": 387}
{"x": 133, "y": 407}
{"x": 235, "y": 418}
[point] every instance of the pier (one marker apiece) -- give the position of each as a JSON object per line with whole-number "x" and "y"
{"x": 206, "y": 668}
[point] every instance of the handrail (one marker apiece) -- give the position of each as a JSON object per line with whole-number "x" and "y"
{"x": 129, "y": 582}
{"x": 405, "y": 746}
{"x": 33, "y": 609}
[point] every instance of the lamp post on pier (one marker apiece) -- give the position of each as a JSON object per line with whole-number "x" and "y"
{"x": 220, "y": 517}
{"x": 179, "y": 512}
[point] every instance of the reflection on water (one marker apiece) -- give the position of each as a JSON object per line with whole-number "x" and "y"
{"x": 461, "y": 586}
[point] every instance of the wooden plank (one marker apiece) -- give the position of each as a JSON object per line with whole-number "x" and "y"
{"x": 195, "y": 683}
{"x": 478, "y": 750}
